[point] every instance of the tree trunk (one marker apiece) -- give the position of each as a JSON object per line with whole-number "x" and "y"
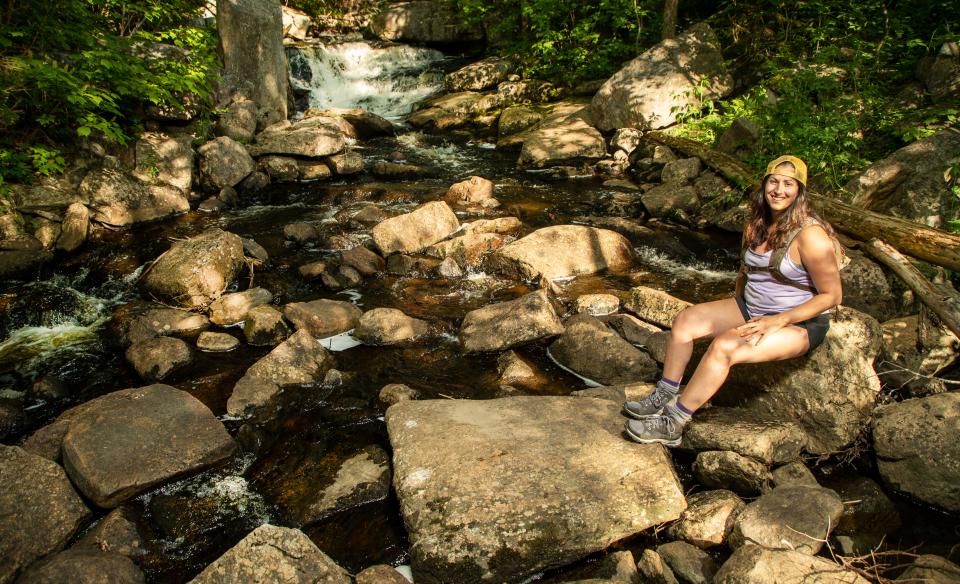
{"x": 669, "y": 28}
{"x": 936, "y": 300}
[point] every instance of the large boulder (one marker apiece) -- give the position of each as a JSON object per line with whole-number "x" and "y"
{"x": 251, "y": 38}
{"x": 754, "y": 564}
{"x": 423, "y": 21}
{"x": 120, "y": 200}
{"x": 414, "y": 231}
{"x": 564, "y": 250}
{"x": 917, "y": 448}
{"x": 300, "y": 361}
{"x": 562, "y": 140}
{"x": 128, "y": 441}
{"x": 224, "y": 162}
{"x": 507, "y": 324}
{"x": 491, "y": 505}
{"x": 651, "y": 90}
{"x": 41, "y": 510}
{"x": 310, "y": 140}
{"x": 165, "y": 159}
{"x": 911, "y": 183}
{"x": 194, "y": 272}
{"x": 239, "y": 121}
{"x": 273, "y": 554}
{"x": 595, "y": 352}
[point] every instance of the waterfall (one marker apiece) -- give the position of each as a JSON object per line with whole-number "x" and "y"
{"x": 386, "y": 80}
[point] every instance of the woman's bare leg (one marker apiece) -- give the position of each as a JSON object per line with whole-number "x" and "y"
{"x": 696, "y": 322}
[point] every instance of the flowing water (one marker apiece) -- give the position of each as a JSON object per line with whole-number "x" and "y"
{"x": 54, "y": 330}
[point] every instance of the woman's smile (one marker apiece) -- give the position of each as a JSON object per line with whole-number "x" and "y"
{"x": 781, "y": 192}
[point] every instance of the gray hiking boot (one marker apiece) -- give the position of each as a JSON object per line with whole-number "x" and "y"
{"x": 655, "y": 430}
{"x": 653, "y": 404}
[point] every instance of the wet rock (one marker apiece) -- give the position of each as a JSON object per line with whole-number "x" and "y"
{"x": 517, "y": 372}
{"x": 256, "y": 252}
{"x": 195, "y": 272}
{"x": 255, "y": 182}
{"x": 395, "y": 171}
{"x": 557, "y": 141}
{"x": 155, "y": 359}
{"x": 362, "y": 215}
{"x": 263, "y": 326}
{"x": 482, "y": 75}
{"x": 651, "y": 89}
{"x": 232, "y": 308}
{"x": 632, "y": 329}
{"x": 394, "y": 393}
{"x": 653, "y": 569}
{"x": 115, "y": 533}
{"x": 794, "y": 473}
{"x": 331, "y": 281}
{"x": 76, "y": 226}
{"x": 597, "y": 304}
{"x": 301, "y": 233}
{"x": 414, "y": 231}
{"x": 112, "y": 450}
{"x": 366, "y": 124}
{"x": 916, "y": 448}
{"x": 224, "y": 162}
{"x": 349, "y": 277}
{"x": 40, "y": 508}
{"x": 868, "y": 516}
{"x": 299, "y": 361}
{"x": 280, "y": 168}
{"x": 746, "y": 433}
{"x": 719, "y": 469}
{"x": 48, "y": 388}
{"x": 515, "y": 119}
{"x": 139, "y": 321}
{"x": 754, "y": 564}
{"x": 592, "y": 350}
{"x": 509, "y": 324}
{"x": 689, "y": 564}
{"x": 671, "y": 201}
{"x": 475, "y": 191}
{"x": 309, "y": 141}
{"x": 504, "y": 451}
{"x": 313, "y": 270}
{"x": 84, "y": 566}
{"x": 468, "y": 249}
{"x": 273, "y": 554}
{"x": 403, "y": 265}
{"x": 381, "y": 574}
{"x": 708, "y": 519}
{"x": 450, "y": 269}
{"x": 11, "y": 417}
{"x": 346, "y": 163}
{"x": 323, "y": 318}
{"x": 931, "y": 569}
{"x": 313, "y": 170}
{"x": 239, "y": 122}
{"x": 389, "y": 326}
{"x": 792, "y": 517}
{"x": 363, "y": 260}
{"x": 564, "y": 250}
{"x": 425, "y": 22}
{"x": 115, "y": 198}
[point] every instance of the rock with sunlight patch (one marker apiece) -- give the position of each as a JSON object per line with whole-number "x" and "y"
{"x": 562, "y": 140}
{"x": 469, "y": 249}
{"x": 708, "y": 519}
{"x": 309, "y": 138}
{"x": 323, "y": 318}
{"x": 754, "y": 564}
{"x": 195, "y": 272}
{"x": 128, "y": 441}
{"x": 389, "y": 326}
{"x": 590, "y": 349}
{"x": 414, "y": 231}
{"x": 793, "y": 517}
{"x": 747, "y": 433}
{"x": 509, "y": 324}
{"x": 655, "y": 306}
{"x": 139, "y": 321}
{"x": 917, "y": 449}
{"x": 482, "y": 75}
{"x": 653, "y": 89}
{"x": 232, "y": 308}
{"x": 41, "y": 510}
{"x": 299, "y": 362}
{"x": 117, "y": 199}
{"x": 423, "y": 21}
{"x": 720, "y": 469}
{"x": 224, "y": 162}
{"x": 165, "y": 159}
{"x": 564, "y": 250}
{"x": 493, "y": 505}
{"x": 273, "y": 554}
{"x": 155, "y": 359}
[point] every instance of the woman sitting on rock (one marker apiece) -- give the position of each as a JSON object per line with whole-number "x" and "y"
{"x": 775, "y": 315}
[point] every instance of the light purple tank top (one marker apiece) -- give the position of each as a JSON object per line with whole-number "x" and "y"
{"x": 763, "y": 294}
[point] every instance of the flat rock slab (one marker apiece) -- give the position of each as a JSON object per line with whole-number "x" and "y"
{"x": 509, "y": 324}
{"x": 529, "y": 483}
{"x": 39, "y": 507}
{"x": 128, "y": 441}
{"x": 273, "y": 554}
{"x": 414, "y": 231}
{"x": 745, "y": 433}
{"x": 564, "y": 250}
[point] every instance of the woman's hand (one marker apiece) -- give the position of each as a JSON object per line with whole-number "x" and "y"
{"x": 757, "y": 328}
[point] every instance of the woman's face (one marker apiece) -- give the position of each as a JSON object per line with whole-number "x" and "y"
{"x": 780, "y": 191}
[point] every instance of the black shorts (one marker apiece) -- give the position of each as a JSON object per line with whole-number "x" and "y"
{"x": 816, "y": 327}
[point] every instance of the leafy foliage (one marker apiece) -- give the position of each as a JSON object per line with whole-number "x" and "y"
{"x": 73, "y": 68}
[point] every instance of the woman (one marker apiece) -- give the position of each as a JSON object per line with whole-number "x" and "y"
{"x": 773, "y": 316}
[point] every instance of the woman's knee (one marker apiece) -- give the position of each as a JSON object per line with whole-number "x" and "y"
{"x": 724, "y": 346}
{"x": 684, "y": 325}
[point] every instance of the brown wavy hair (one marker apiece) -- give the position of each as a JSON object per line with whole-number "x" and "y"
{"x": 761, "y": 219}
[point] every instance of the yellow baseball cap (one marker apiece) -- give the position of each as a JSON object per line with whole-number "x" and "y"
{"x": 799, "y": 171}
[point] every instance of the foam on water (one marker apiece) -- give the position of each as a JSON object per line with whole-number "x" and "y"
{"x": 699, "y": 270}
{"x": 26, "y": 350}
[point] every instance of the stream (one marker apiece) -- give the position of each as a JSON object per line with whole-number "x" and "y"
{"x": 55, "y": 327}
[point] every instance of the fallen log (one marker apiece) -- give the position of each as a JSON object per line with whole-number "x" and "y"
{"x": 916, "y": 240}
{"x": 936, "y": 300}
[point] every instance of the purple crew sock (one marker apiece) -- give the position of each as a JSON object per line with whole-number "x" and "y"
{"x": 671, "y": 383}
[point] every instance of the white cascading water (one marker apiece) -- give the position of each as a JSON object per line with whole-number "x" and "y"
{"x": 385, "y": 80}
